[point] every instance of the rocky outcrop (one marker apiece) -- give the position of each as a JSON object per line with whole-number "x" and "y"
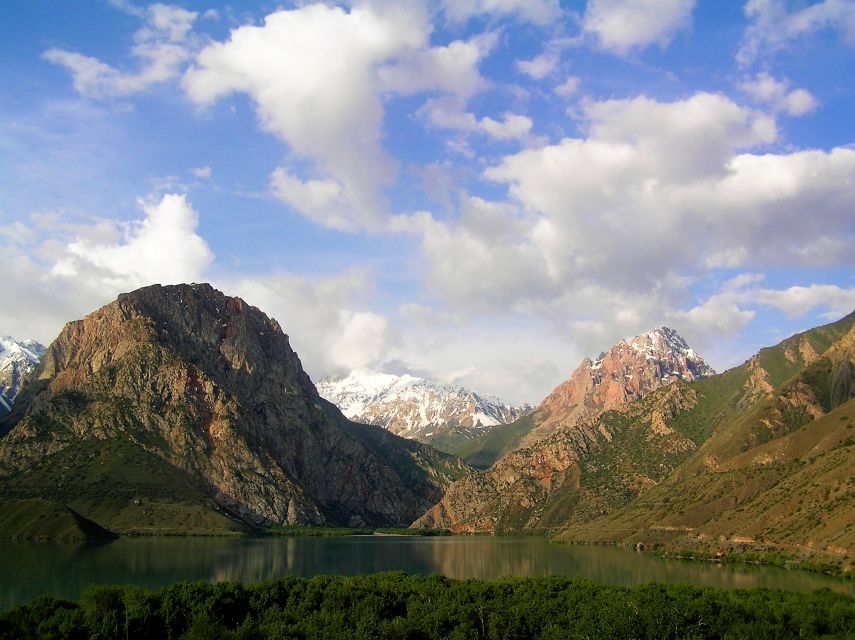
{"x": 211, "y": 386}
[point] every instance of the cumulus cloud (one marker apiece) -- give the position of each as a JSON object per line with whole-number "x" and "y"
{"x": 318, "y": 74}
{"x": 766, "y": 89}
{"x": 312, "y": 75}
{"x": 161, "y": 46}
{"x": 450, "y": 113}
{"x": 161, "y": 248}
{"x": 774, "y": 26}
{"x": 452, "y": 68}
{"x": 568, "y": 87}
{"x": 540, "y": 12}
{"x": 326, "y": 318}
{"x": 604, "y": 235}
{"x": 728, "y": 311}
{"x": 619, "y": 26}
{"x": 540, "y": 66}
{"x": 71, "y": 269}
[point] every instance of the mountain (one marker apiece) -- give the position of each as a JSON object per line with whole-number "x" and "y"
{"x": 180, "y": 409}
{"x": 758, "y": 458}
{"x": 773, "y": 469}
{"x": 439, "y": 414}
{"x": 538, "y": 460}
{"x": 628, "y": 371}
{"x": 17, "y": 361}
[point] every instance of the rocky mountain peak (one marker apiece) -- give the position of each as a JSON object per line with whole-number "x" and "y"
{"x": 627, "y": 371}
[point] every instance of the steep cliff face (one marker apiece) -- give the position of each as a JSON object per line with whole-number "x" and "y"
{"x": 758, "y": 458}
{"x": 575, "y": 473}
{"x": 209, "y": 387}
{"x": 442, "y": 415}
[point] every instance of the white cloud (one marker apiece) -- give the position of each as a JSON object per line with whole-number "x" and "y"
{"x": 604, "y": 235}
{"x": 326, "y": 318}
{"x": 162, "y": 248}
{"x": 323, "y": 201}
{"x": 540, "y": 12}
{"x": 450, "y": 113}
{"x": 796, "y": 301}
{"x": 312, "y": 74}
{"x": 622, "y": 25}
{"x": 568, "y": 87}
{"x": 317, "y": 75}
{"x": 202, "y": 172}
{"x": 767, "y": 90}
{"x": 773, "y": 26}
{"x": 539, "y": 67}
{"x": 72, "y": 269}
{"x": 452, "y": 68}
{"x": 18, "y": 233}
{"x": 160, "y": 45}
{"x": 728, "y": 311}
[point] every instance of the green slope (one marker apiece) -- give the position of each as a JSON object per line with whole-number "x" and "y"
{"x": 36, "y": 519}
{"x": 772, "y": 471}
{"x": 123, "y": 488}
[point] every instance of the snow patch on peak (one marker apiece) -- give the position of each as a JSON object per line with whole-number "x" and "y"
{"x": 414, "y": 407}
{"x": 17, "y": 361}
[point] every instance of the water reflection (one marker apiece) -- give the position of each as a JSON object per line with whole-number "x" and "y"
{"x": 31, "y": 569}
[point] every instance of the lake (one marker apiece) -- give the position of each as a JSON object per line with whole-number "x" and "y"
{"x": 29, "y": 569}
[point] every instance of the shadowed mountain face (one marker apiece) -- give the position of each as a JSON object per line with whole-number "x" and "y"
{"x": 201, "y": 406}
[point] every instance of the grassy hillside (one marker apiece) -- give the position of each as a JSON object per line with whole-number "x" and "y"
{"x": 121, "y": 487}
{"x": 774, "y": 465}
{"x": 46, "y": 520}
{"x": 483, "y": 452}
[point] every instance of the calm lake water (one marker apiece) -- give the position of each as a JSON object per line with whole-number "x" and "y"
{"x": 28, "y": 570}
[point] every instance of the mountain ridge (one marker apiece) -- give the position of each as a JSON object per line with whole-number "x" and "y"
{"x": 417, "y": 408}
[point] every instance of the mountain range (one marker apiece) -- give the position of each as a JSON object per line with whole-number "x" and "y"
{"x": 17, "y": 361}
{"x": 179, "y": 409}
{"x": 758, "y": 458}
{"x": 442, "y": 415}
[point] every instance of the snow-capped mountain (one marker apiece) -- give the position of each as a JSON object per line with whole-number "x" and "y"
{"x": 414, "y": 407}
{"x": 17, "y": 361}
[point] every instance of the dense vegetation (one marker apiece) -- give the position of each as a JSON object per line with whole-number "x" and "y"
{"x": 396, "y": 605}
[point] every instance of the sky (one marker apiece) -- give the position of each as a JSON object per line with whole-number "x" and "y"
{"x": 477, "y": 191}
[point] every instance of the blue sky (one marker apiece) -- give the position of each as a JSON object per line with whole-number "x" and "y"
{"x": 479, "y": 191}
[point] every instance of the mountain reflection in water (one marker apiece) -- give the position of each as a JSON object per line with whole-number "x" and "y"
{"x": 28, "y": 570}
